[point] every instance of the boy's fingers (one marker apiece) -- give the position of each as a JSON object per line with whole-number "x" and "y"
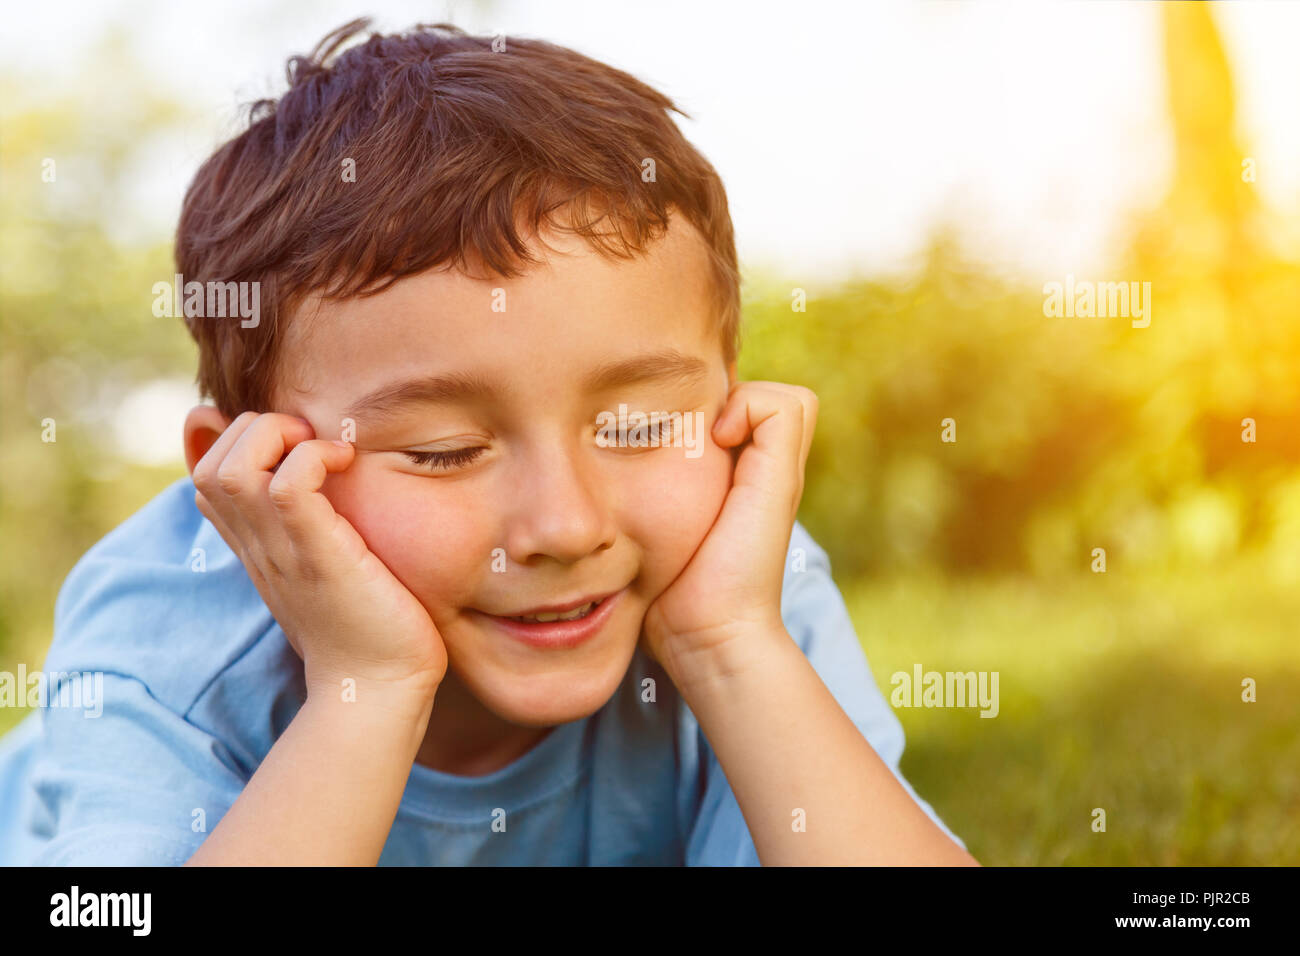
{"x": 752, "y": 404}
{"x": 778, "y": 419}
{"x": 232, "y": 539}
{"x": 205, "y": 508}
{"x": 808, "y": 399}
{"x": 206, "y": 481}
{"x": 259, "y": 450}
{"x": 294, "y": 492}
{"x": 247, "y": 472}
{"x": 218, "y": 522}
{"x": 205, "y": 472}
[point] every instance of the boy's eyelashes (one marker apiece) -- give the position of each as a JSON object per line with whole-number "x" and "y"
{"x": 655, "y": 433}
{"x": 445, "y": 460}
{"x": 652, "y": 434}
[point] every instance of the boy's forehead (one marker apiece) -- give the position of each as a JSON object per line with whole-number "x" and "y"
{"x": 573, "y": 296}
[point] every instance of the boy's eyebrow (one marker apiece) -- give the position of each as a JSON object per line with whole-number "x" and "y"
{"x": 666, "y": 365}
{"x": 451, "y": 387}
{"x": 651, "y": 367}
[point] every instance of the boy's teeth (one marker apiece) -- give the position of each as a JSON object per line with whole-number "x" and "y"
{"x": 566, "y": 616}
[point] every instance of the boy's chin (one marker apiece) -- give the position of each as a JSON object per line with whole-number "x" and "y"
{"x": 545, "y": 700}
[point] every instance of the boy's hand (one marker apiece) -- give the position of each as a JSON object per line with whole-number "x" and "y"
{"x": 342, "y": 610}
{"x": 729, "y": 594}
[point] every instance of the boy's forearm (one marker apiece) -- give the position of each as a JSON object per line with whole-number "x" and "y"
{"x": 328, "y": 791}
{"x": 786, "y": 745}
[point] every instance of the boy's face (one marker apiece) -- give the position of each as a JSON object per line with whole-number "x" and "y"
{"x": 522, "y": 507}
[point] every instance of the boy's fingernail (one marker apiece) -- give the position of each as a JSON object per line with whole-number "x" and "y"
{"x": 343, "y": 444}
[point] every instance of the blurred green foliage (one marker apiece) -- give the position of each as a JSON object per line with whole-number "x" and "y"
{"x": 1072, "y": 433}
{"x": 77, "y": 331}
{"x": 1119, "y": 690}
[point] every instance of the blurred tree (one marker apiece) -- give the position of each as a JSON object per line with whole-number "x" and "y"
{"x": 76, "y": 325}
{"x": 1071, "y": 433}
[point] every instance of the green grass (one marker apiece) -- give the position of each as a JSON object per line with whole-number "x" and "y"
{"x": 1119, "y": 693}
{"x": 1115, "y": 691}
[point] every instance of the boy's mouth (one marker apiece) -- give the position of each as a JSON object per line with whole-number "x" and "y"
{"x": 546, "y": 618}
{"x": 559, "y": 625}
{"x": 565, "y": 611}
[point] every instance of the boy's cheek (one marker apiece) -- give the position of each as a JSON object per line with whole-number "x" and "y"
{"x": 673, "y": 513}
{"x": 430, "y": 549}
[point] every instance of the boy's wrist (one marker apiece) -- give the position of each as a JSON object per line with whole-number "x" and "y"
{"x": 407, "y": 699}
{"x": 727, "y": 657}
{"x": 370, "y": 726}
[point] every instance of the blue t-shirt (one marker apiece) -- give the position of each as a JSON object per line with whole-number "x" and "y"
{"x": 199, "y": 682}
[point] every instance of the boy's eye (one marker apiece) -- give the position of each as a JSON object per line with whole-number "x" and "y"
{"x": 655, "y": 432}
{"x": 444, "y": 460}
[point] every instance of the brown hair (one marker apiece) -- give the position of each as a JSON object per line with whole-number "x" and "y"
{"x": 454, "y": 145}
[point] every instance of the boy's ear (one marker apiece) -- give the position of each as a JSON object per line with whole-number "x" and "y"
{"x": 203, "y": 426}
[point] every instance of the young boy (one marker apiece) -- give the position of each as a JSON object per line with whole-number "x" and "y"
{"x": 487, "y": 555}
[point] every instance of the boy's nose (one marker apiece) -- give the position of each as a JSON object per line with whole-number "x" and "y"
{"x": 559, "y": 509}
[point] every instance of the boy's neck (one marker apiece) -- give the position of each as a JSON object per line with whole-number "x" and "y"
{"x": 466, "y": 739}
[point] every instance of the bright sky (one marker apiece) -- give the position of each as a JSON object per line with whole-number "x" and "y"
{"x": 844, "y": 131}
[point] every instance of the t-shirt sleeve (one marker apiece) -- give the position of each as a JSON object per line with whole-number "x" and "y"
{"x": 816, "y": 617}
{"x": 120, "y": 771}
{"x": 137, "y": 785}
